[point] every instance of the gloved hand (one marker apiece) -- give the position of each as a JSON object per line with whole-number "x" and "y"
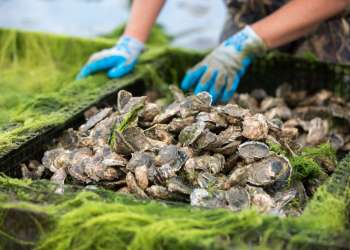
{"x": 118, "y": 60}
{"x": 219, "y": 72}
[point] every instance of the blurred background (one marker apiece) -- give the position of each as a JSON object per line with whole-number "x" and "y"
{"x": 194, "y": 24}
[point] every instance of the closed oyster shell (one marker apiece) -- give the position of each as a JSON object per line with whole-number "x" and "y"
{"x": 237, "y": 198}
{"x": 271, "y": 170}
{"x": 255, "y": 127}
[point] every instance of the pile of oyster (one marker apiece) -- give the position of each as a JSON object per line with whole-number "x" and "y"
{"x": 192, "y": 151}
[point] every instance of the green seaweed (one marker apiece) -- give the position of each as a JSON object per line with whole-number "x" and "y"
{"x": 127, "y": 120}
{"x": 305, "y": 164}
{"x": 82, "y": 219}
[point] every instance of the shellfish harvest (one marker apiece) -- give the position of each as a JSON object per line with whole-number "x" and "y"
{"x": 269, "y": 153}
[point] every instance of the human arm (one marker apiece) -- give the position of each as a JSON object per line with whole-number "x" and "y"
{"x": 122, "y": 58}
{"x": 220, "y": 72}
{"x": 295, "y": 19}
{"x": 142, "y": 17}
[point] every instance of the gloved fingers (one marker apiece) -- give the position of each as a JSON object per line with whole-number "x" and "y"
{"x": 121, "y": 70}
{"x": 233, "y": 83}
{"x": 207, "y": 80}
{"x": 192, "y": 77}
{"x": 102, "y": 54}
{"x": 100, "y": 65}
{"x": 217, "y": 89}
{"x": 230, "y": 89}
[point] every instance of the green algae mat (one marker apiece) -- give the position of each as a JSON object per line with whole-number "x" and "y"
{"x": 32, "y": 216}
{"x": 40, "y": 98}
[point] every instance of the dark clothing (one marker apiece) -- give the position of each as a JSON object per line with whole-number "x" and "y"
{"x": 330, "y": 41}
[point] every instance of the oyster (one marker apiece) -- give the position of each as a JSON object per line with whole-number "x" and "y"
{"x": 213, "y": 164}
{"x": 178, "y": 124}
{"x": 205, "y": 140}
{"x": 177, "y": 185}
{"x": 170, "y": 160}
{"x": 237, "y": 198}
{"x": 159, "y": 132}
{"x": 261, "y": 200}
{"x": 317, "y": 131}
{"x": 95, "y": 119}
{"x": 202, "y": 198}
{"x": 34, "y": 170}
{"x": 141, "y": 176}
{"x": 237, "y": 177}
{"x": 255, "y": 127}
{"x": 58, "y": 178}
{"x": 212, "y": 120}
{"x": 253, "y": 150}
{"x": 140, "y": 159}
{"x": 191, "y": 133}
{"x": 150, "y": 111}
{"x": 192, "y": 105}
{"x": 133, "y": 187}
{"x": 56, "y": 158}
{"x": 232, "y": 113}
{"x": 126, "y": 102}
{"x": 271, "y": 170}
{"x": 158, "y": 192}
{"x": 169, "y": 112}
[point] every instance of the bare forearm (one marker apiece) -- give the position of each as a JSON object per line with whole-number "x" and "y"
{"x": 296, "y": 19}
{"x": 142, "y": 17}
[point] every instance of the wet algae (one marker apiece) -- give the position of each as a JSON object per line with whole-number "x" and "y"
{"x": 96, "y": 219}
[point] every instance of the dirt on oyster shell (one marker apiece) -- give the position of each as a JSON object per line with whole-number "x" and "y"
{"x": 191, "y": 151}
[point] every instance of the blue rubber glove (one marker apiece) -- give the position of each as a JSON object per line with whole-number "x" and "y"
{"x": 118, "y": 60}
{"x": 219, "y": 72}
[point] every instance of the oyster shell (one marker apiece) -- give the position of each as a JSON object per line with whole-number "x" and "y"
{"x": 212, "y": 120}
{"x": 34, "y": 170}
{"x": 191, "y": 133}
{"x": 159, "y": 132}
{"x": 317, "y": 131}
{"x": 255, "y": 127}
{"x": 133, "y": 187}
{"x": 158, "y": 192}
{"x": 202, "y": 198}
{"x": 140, "y": 159}
{"x": 213, "y": 164}
{"x": 141, "y": 176}
{"x": 261, "y": 200}
{"x": 237, "y": 198}
{"x": 95, "y": 119}
{"x": 253, "y": 150}
{"x": 271, "y": 170}
{"x": 192, "y": 105}
{"x": 177, "y": 185}
{"x": 178, "y": 124}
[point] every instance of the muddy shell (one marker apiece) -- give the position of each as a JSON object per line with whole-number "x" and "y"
{"x": 255, "y": 127}
{"x": 269, "y": 171}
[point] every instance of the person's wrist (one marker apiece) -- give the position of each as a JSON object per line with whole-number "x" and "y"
{"x": 131, "y": 44}
{"x": 247, "y": 42}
